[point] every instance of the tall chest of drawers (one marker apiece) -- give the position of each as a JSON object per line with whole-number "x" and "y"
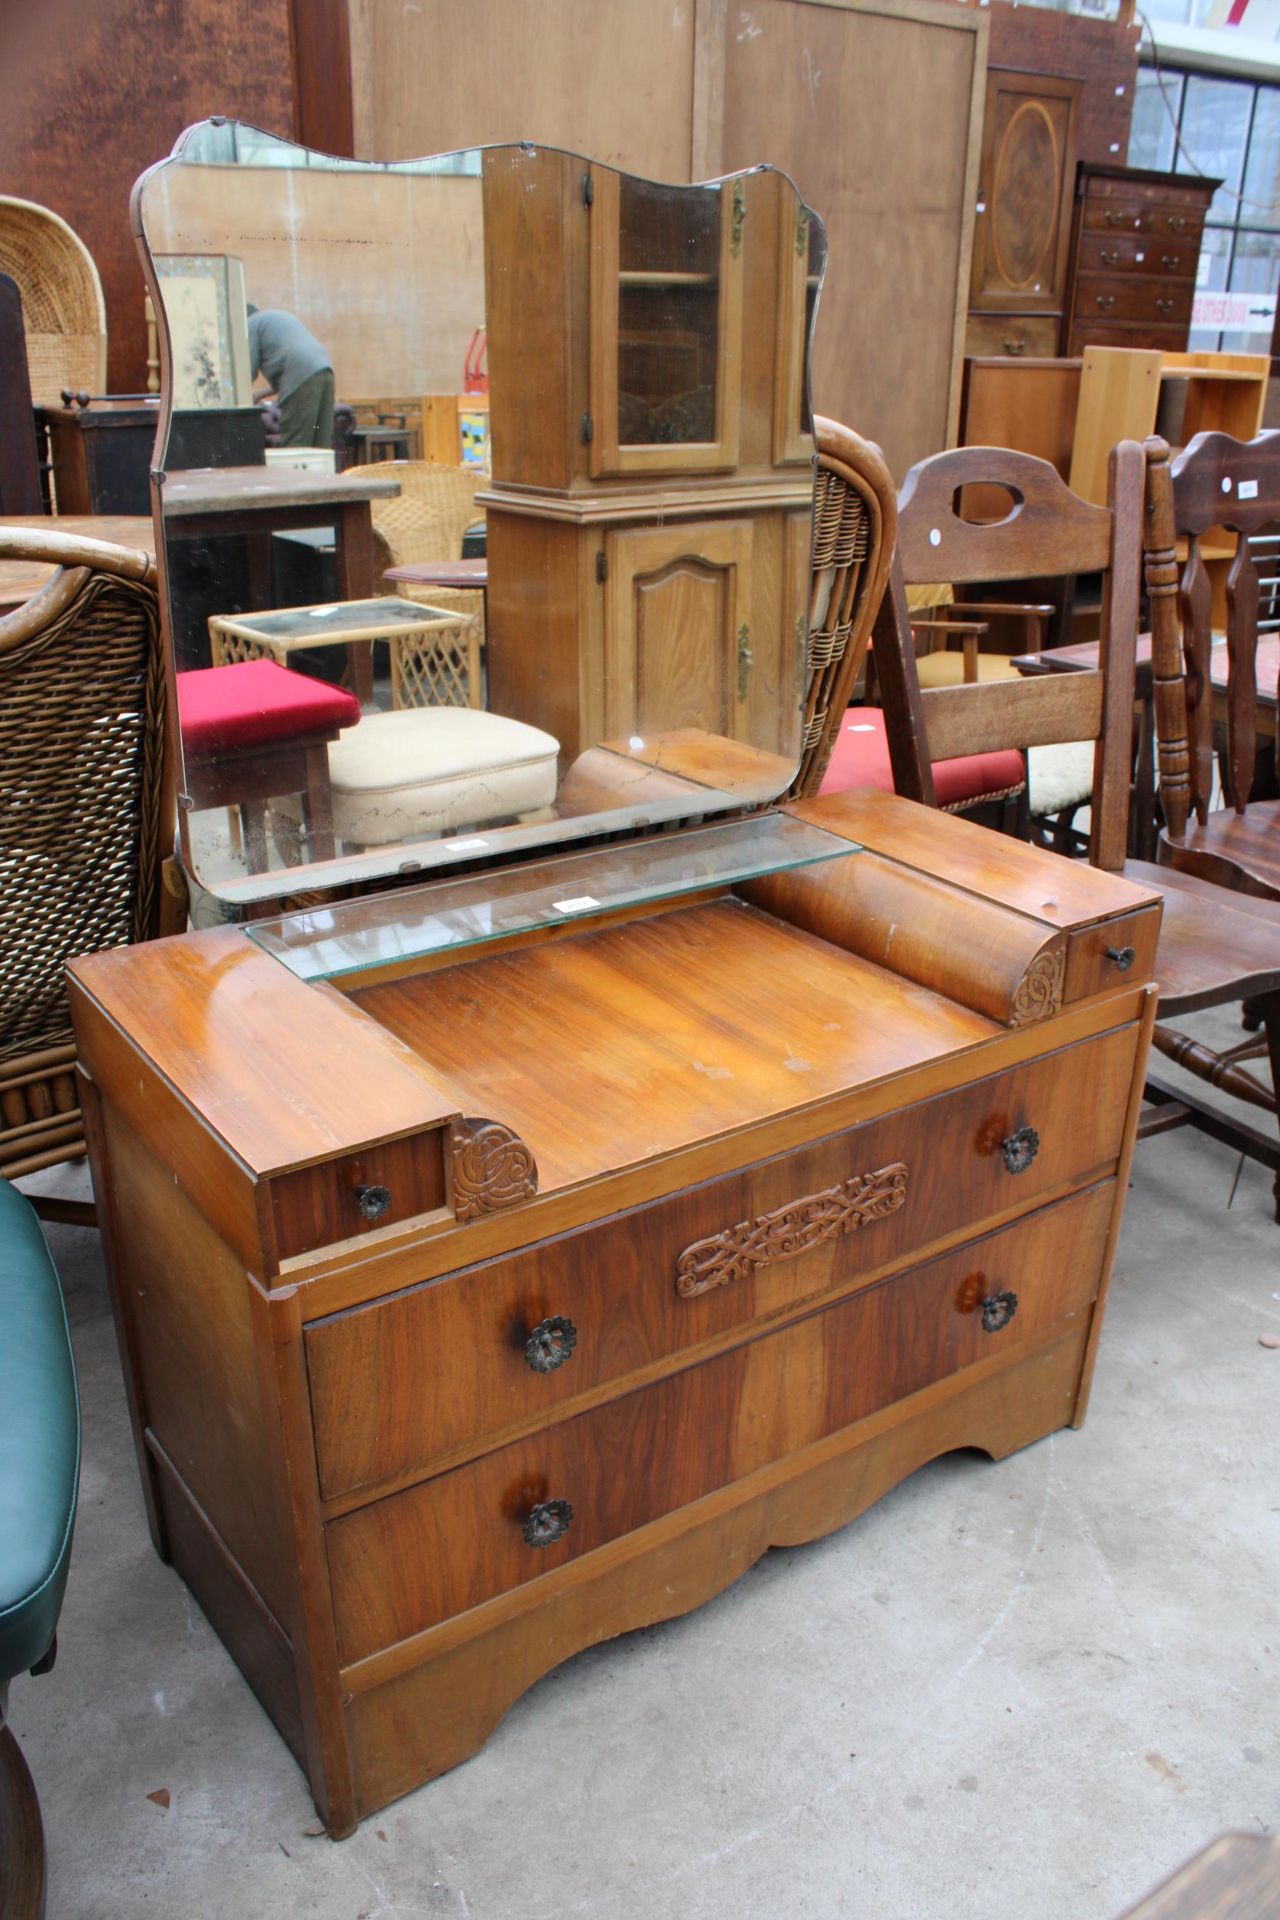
{"x": 473, "y": 1313}
{"x": 1135, "y": 247}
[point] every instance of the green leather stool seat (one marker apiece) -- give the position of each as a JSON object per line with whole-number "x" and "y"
{"x": 39, "y": 1439}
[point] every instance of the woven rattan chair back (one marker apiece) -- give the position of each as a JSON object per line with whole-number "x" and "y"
{"x": 426, "y": 521}
{"x": 855, "y": 516}
{"x": 82, "y": 707}
{"x": 62, "y": 305}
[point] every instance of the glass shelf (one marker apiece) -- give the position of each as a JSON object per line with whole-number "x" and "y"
{"x": 357, "y": 935}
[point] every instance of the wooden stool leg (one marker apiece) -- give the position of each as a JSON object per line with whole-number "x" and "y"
{"x": 21, "y": 1837}
{"x": 317, "y": 805}
{"x": 254, "y": 815}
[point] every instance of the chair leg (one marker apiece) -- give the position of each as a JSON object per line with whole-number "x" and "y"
{"x": 1271, "y": 1021}
{"x": 22, "y": 1878}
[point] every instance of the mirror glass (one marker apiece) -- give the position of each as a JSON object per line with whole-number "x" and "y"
{"x": 484, "y": 488}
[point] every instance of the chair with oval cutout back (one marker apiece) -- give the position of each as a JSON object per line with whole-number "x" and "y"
{"x": 1216, "y": 948}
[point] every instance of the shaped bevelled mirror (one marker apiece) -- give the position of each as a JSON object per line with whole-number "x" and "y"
{"x": 519, "y": 551}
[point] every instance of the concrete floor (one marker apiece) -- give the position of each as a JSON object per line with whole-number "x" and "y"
{"x": 1024, "y": 1689}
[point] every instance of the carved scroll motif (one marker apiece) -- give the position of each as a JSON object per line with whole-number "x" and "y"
{"x": 492, "y": 1168}
{"x": 738, "y": 1251}
{"x": 1039, "y": 992}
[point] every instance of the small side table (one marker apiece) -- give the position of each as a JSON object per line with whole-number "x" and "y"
{"x": 379, "y": 443}
{"x": 435, "y": 655}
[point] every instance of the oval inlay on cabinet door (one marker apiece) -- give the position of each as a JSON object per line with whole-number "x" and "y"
{"x": 1025, "y": 200}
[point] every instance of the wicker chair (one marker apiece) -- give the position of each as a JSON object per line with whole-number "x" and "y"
{"x": 62, "y": 304}
{"x": 854, "y": 520}
{"x": 82, "y": 744}
{"x": 426, "y": 521}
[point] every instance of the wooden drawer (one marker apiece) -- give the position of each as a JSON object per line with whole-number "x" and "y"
{"x": 408, "y": 1562}
{"x": 1099, "y": 956}
{"x": 432, "y": 1371}
{"x": 1116, "y": 296}
{"x": 1021, "y": 336}
{"x": 339, "y": 1199}
{"x": 1156, "y": 218}
{"x": 1163, "y": 339}
{"x": 1135, "y": 253}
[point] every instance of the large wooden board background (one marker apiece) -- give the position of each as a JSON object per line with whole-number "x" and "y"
{"x": 876, "y": 114}
{"x": 874, "y": 106}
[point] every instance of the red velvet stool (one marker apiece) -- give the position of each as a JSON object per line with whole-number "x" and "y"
{"x": 254, "y": 732}
{"x": 860, "y": 758}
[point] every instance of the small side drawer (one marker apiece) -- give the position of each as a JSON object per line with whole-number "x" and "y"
{"x": 1100, "y": 957}
{"x": 434, "y": 1370}
{"x": 336, "y": 1200}
{"x": 419, "y": 1557}
{"x": 1162, "y": 216}
{"x": 1136, "y": 253}
{"x": 1020, "y": 336}
{"x": 1118, "y": 296}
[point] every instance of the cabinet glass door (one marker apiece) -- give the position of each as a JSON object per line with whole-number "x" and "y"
{"x": 666, "y": 317}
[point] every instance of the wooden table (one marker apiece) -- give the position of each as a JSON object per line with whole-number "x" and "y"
{"x": 442, "y": 573}
{"x": 1084, "y": 658}
{"x": 203, "y": 502}
{"x": 19, "y": 579}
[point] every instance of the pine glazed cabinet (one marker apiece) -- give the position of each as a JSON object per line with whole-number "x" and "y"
{"x": 481, "y": 1303}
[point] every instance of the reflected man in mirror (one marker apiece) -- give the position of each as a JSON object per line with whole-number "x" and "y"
{"x": 298, "y": 371}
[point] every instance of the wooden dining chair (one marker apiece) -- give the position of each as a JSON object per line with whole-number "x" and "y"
{"x": 1214, "y": 482}
{"x": 1049, "y": 531}
{"x": 1217, "y": 948}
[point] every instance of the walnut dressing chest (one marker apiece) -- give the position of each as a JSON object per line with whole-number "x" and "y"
{"x": 480, "y": 1305}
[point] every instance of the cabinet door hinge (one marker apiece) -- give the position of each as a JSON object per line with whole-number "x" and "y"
{"x": 588, "y": 191}
{"x": 602, "y": 566}
{"x": 587, "y": 429}
{"x": 745, "y": 660}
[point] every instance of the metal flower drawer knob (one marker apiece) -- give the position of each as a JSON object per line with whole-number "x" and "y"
{"x": 548, "y": 1522}
{"x": 551, "y": 1343}
{"x": 998, "y": 1310}
{"x": 1020, "y": 1149}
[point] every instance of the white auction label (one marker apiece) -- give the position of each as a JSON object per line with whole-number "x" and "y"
{"x": 582, "y": 905}
{"x": 1247, "y": 490}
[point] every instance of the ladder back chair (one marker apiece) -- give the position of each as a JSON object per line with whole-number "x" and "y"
{"x": 1216, "y": 482}
{"x": 82, "y": 846}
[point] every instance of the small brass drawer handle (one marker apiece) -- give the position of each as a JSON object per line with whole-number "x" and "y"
{"x": 548, "y": 1522}
{"x": 1164, "y": 305}
{"x": 1171, "y": 262}
{"x": 998, "y": 1310}
{"x": 1115, "y": 218}
{"x": 1020, "y": 1149}
{"x": 551, "y": 1343}
{"x": 1104, "y": 301}
{"x": 1179, "y": 223}
{"x": 373, "y": 1201}
{"x": 1015, "y": 347}
{"x": 1109, "y": 257}
{"x": 1122, "y": 958}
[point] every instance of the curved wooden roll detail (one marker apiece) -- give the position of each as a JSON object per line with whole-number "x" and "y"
{"x": 491, "y": 1168}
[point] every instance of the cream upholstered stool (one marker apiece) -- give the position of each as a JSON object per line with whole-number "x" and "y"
{"x": 423, "y": 770}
